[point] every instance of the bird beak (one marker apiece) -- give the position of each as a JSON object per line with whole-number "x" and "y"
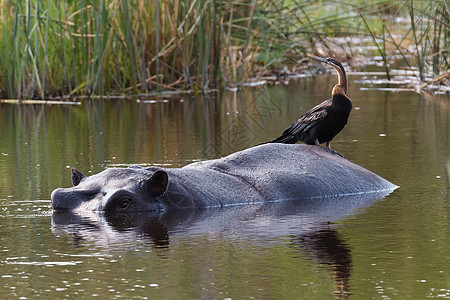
{"x": 319, "y": 58}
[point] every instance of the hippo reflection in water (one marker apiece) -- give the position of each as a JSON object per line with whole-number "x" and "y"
{"x": 265, "y": 173}
{"x": 305, "y": 226}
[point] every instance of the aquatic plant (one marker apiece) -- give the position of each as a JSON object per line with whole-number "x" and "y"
{"x": 81, "y": 47}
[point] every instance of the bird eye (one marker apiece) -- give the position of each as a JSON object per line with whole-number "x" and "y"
{"x": 123, "y": 205}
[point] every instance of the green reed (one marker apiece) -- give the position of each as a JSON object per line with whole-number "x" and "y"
{"x": 82, "y": 47}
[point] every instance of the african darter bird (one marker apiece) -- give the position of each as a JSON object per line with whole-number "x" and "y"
{"x": 322, "y": 123}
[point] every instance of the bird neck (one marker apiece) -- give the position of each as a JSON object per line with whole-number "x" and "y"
{"x": 341, "y": 87}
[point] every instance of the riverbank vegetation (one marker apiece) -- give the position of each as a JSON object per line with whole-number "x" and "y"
{"x": 62, "y": 48}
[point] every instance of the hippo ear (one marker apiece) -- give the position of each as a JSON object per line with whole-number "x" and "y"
{"x": 77, "y": 176}
{"x": 158, "y": 183}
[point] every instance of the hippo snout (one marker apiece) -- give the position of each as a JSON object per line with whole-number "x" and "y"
{"x": 57, "y": 199}
{"x": 65, "y": 199}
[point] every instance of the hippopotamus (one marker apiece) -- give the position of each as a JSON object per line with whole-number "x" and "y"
{"x": 264, "y": 173}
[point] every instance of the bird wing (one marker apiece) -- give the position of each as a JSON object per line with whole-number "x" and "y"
{"x": 309, "y": 119}
{"x": 316, "y": 113}
{"x": 305, "y": 123}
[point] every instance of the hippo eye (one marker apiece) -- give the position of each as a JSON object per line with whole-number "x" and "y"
{"x": 119, "y": 201}
{"x": 123, "y": 204}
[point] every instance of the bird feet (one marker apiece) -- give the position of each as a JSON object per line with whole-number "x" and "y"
{"x": 332, "y": 151}
{"x": 328, "y": 148}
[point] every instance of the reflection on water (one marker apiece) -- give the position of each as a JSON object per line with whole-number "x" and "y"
{"x": 282, "y": 218}
{"x": 307, "y": 223}
{"x": 394, "y": 248}
{"x": 328, "y": 248}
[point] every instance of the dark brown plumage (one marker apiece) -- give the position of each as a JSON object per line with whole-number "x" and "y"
{"x": 324, "y": 121}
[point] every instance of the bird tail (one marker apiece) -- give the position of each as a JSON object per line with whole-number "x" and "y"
{"x": 285, "y": 139}
{"x": 290, "y": 135}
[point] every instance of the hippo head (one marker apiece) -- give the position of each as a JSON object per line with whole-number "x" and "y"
{"x": 115, "y": 189}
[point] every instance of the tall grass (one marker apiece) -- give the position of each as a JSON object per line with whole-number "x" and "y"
{"x": 82, "y": 47}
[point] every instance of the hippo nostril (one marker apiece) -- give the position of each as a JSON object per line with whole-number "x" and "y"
{"x": 58, "y": 207}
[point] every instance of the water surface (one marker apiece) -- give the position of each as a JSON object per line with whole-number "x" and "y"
{"x": 391, "y": 247}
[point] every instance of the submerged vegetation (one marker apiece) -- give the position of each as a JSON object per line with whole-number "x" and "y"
{"x": 68, "y": 48}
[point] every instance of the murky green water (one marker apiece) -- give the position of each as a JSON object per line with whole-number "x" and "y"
{"x": 396, "y": 247}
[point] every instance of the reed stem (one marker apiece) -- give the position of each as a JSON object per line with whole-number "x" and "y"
{"x": 82, "y": 47}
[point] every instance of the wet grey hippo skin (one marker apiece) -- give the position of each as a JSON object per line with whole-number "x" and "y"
{"x": 269, "y": 172}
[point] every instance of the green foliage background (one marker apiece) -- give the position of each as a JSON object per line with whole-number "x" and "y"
{"x": 81, "y": 47}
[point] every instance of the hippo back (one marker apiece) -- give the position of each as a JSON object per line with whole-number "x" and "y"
{"x": 291, "y": 171}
